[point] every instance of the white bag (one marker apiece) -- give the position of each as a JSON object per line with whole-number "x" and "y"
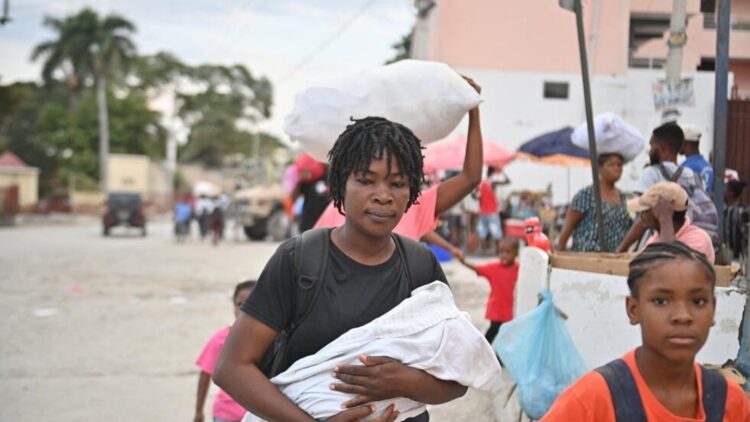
{"x": 613, "y": 136}
{"x": 429, "y": 98}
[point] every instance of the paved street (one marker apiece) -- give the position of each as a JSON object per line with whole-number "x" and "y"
{"x": 100, "y": 328}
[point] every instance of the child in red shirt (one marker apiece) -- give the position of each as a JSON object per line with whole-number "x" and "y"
{"x": 502, "y": 275}
{"x": 672, "y": 299}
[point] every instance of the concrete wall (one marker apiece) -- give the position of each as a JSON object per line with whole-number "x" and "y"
{"x": 27, "y": 180}
{"x": 128, "y": 173}
{"x": 595, "y": 305}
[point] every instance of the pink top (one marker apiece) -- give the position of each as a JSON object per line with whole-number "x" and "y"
{"x": 224, "y": 406}
{"x": 416, "y": 222}
{"x": 693, "y": 236}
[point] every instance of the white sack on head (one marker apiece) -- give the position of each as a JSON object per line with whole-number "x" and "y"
{"x": 613, "y": 136}
{"x": 429, "y": 98}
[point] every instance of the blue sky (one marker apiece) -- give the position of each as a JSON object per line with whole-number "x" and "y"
{"x": 274, "y": 38}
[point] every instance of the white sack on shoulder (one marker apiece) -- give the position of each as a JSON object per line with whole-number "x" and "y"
{"x": 613, "y": 136}
{"x": 429, "y": 98}
{"x": 425, "y": 331}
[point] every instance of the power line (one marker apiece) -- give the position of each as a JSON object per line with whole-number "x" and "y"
{"x": 328, "y": 41}
{"x": 6, "y": 17}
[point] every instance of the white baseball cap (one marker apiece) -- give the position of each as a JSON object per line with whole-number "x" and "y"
{"x": 692, "y": 133}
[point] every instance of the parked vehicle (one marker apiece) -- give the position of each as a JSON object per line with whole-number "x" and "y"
{"x": 260, "y": 212}
{"x": 123, "y": 209}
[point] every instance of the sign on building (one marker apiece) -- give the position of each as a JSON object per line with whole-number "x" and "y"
{"x": 671, "y": 95}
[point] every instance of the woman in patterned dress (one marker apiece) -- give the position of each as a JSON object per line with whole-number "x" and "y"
{"x": 580, "y": 219}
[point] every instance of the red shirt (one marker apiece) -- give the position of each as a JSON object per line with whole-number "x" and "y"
{"x": 487, "y": 200}
{"x": 589, "y": 400}
{"x": 502, "y": 280}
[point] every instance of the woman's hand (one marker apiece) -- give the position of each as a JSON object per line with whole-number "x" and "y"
{"x": 380, "y": 378}
{"x": 473, "y": 84}
{"x": 357, "y": 413}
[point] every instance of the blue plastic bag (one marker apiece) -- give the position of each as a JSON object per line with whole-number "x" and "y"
{"x": 538, "y": 351}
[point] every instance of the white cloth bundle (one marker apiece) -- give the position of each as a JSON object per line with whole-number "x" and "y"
{"x": 425, "y": 331}
{"x": 613, "y": 136}
{"x": 427, "y": 97}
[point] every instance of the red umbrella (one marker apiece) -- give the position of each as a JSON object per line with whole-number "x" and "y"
{"x": 449, "y": 154}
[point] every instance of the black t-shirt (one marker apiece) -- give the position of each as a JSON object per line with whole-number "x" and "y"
{"x": 352, "y": 295}
{"x": 316, "y": 201}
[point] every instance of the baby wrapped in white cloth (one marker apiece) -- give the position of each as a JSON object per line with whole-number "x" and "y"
{"x": 425, "y": 331}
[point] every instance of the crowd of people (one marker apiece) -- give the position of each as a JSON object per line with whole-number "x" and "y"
{"x": 209, "y": 213}
{"x": 380, "y": 206}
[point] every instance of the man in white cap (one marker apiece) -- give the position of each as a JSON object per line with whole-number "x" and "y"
{"x": 662, "y": 208}
{"x": 694, "y": 160}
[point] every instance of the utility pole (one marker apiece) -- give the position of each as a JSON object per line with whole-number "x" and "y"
{"x": 171, "y": 162}
{"x": 577, "y": 8}
{"x": 677, "y": 39}
{"x": 5, "y": 18}
{"x": 721, "y": 72}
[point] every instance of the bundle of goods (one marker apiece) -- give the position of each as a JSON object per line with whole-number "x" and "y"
{"x": 613, "y": 136}
{"x": 427, "y": 97}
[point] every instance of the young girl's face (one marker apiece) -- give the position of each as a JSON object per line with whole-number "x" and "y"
{"x": 376, "y": 199}
{"x": 239, "y": 300}
{"x": 675, "y": 308}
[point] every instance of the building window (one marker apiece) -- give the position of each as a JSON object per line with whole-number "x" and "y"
{"x": 708, "y": 6}
{"x": 556, "y": 90}
{"x": 643, "y": 28}
{"x": 708, "y": 64}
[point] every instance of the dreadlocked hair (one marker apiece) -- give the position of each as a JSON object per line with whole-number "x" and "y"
{"x": 656, "y": 253}
{"x": 369, "y": 139}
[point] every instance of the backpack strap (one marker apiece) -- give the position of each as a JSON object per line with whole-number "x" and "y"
{"x": 714, "y": 394}
{"x": 418, "y": 260}
{"x": 670, "y": 177}
{"x": 676, "y": 176}
{"x": 664, "y": 172}
{"x": 625, "y": 397}
{"x": 310, "y": 260}
{"x": 698, "y": 180}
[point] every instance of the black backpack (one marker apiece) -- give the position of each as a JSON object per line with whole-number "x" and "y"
{"x": 310, "y": 260}
{"x": 627, "y": 401}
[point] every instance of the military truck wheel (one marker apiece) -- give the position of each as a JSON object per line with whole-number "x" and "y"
{"x": 278, "y": 225}
{"x": 257, "y": 231}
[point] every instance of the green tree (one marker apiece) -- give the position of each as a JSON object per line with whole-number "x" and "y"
{"x": 88, "y": 47}
{"x": 402, "y": 48}
{"x": 62, "y": 141}
{"x": 220, "y": 105}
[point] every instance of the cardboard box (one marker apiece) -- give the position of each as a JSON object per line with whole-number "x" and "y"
{"x": 616, "y": 264}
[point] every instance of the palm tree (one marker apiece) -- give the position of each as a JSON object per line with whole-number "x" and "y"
{"x": 88, "y": 48}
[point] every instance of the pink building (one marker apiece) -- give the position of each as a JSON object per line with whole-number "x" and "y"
{"x": 539, "y": 36}
{"x": 525, "y": 55}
